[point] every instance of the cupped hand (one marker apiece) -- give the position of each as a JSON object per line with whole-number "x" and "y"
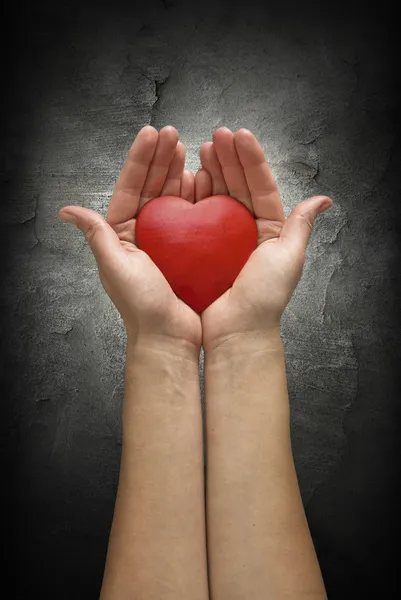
{"x": 235, "y": 164}
{"x": 150, "y": 309}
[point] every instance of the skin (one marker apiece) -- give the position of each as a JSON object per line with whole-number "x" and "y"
{"x": 157, "y": 546}
{"x": 258, "y": 539}
{"x": 235, "y": 164}
{"x": 150, "y": 309}
{"x": 259, "y": 544}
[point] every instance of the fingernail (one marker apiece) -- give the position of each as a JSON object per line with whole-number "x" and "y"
{"x": 67, "y": 218}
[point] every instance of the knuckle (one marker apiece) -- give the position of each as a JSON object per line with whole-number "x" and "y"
{"x": 305, "y": 219}
{"x": 91, "y": 231}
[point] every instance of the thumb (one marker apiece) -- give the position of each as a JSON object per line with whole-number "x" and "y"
{"x": 102, "y": 239}
{"x": 299, "y": 224}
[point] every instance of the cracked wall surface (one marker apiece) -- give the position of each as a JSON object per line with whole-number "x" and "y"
{"x": 318, "y": 90}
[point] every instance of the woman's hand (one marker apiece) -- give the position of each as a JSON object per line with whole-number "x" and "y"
{"x": 251, "y": 309}
{"x": 151, "y": 311}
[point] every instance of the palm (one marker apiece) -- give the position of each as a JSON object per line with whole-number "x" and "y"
{"x": 262, "y": 282}
{"x": 155, "y": 167}
{"x": 235, "y": 165}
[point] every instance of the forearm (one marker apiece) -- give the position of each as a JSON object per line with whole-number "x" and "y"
{"x": 259, "y": 543}
{"x": 157, "y": 543}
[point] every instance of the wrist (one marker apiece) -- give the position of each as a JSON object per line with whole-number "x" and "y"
{"x": 160, "y": 375}
{"x": 155, "y": 346}
{"x": 244, "y": 345}
{"x": 249, "y": 371}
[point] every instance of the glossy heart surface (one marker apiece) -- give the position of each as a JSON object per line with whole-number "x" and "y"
{"x": 200, "y": 248}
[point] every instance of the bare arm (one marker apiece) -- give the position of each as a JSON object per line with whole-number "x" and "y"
{"x": 157, "y": 547}
{"x": 157, "y": 543}
{"x": 258, "y": 539}
{"x": 259, "y": 545}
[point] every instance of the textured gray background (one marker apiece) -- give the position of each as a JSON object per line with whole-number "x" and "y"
{"x": 319, "y": 90}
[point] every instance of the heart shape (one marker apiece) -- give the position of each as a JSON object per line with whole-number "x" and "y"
{"x": 200, "y": 248}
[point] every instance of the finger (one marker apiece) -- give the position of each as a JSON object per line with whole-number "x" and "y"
{"x": 233, "y": 172}
{"x": 210, "y": 162}
{"x": 103, "y": 240}
{"x": 188, "y": 186}
{"x": 261, "y": 183}
{"x": 127, "y": 190}
{"x": 172, "y": 185}
{"x": 299, "y": 224}
{"x": 203, "y": 185}
{"x": 164, "y": 154}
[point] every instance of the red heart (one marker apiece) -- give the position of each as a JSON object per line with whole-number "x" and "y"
{"x": 200, "y": 248}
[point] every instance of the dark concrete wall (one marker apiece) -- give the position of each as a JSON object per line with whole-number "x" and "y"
{"x": 318, "y": 86}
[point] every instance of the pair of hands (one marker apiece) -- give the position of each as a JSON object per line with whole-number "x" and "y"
{"x": 234, "y": 165}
